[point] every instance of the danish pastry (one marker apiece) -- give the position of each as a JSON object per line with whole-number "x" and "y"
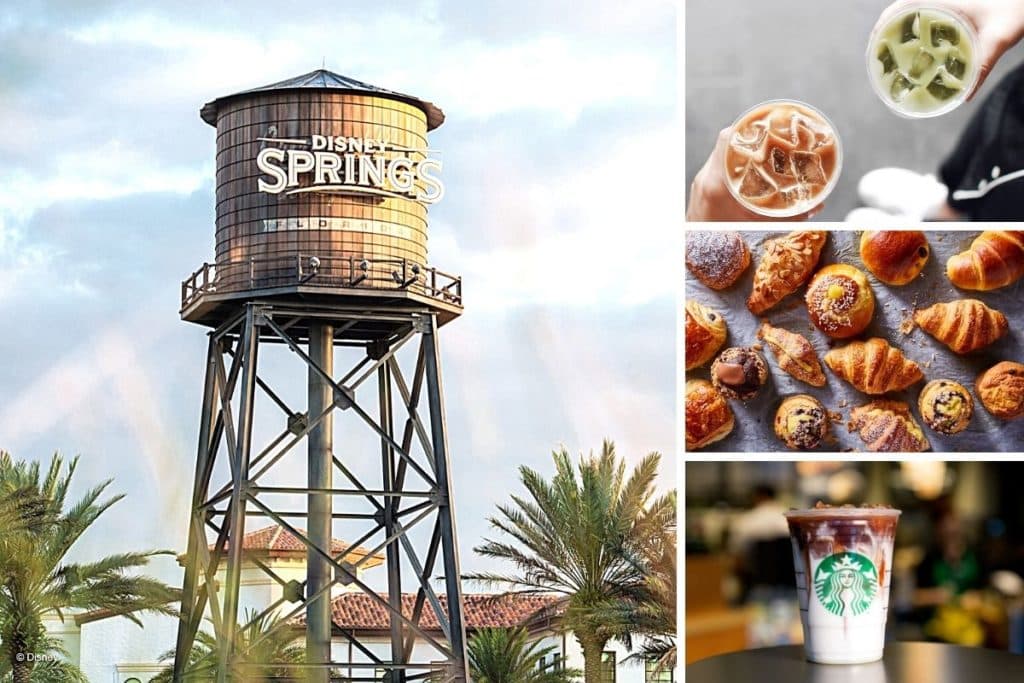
{"x": 946, "y": 406}
{"x": 801, "y": 422}
{"x": 840, "y": 301}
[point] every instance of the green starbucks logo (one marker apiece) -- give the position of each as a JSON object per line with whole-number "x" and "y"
{"x": 846, "y": 584}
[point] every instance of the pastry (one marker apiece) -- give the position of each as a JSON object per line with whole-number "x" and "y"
{"x": 994, "y": 259}
{"x": 705, "y": 334}
{"x": 708, "y": 415}
{"x": 888, "y": 427}
{"x": 963, "y": 325}
{"x": 801, "y": 422}
{"x": 894, "y": 256}
{"x": 946, "y": 406}
{"x": 739, "y": 373}
{"x": 874, "y": 366}
{"x": 786, "y": 264}
{"x": 716, "y": 258}
{"x": 794, "y": 353}
{"x": 1001, "y": 390}
{"x": 840, "y": 301}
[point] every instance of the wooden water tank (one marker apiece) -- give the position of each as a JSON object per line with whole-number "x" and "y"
{"x": 318, "y": 229}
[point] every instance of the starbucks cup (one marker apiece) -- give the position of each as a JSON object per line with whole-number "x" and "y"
{"x": 843, "y": 562}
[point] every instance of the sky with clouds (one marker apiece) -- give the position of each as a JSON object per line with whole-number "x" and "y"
{"x": 562, "y": 168}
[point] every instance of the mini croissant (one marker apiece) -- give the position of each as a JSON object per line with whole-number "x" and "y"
{"x": 786, "y": 264}
{"x": 794, "y": 353}
{"x": 963, "y": 325}
{"x": 888, "y": 427}
{"x": 874, "y": 366}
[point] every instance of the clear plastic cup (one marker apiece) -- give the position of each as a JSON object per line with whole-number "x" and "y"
{"x": 918, "y": 71}
{"x": 843, "y": 563}
{"x": 783, "y": 158}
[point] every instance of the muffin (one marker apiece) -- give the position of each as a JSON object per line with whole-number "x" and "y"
{"x": 1001, "y": 390}
{"x": 716, "y": 258}
{"x": 801, "y": 422}
{"x": 840, "y": 301}
{"x": 946, "y": 406}
{"x": 739, "y": 373}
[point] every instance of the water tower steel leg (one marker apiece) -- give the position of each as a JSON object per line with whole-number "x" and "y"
{"x": 446, "y": 513}
{"x": 240, "y": 491}
{"x": 321, "y": 450}
{"x": 196, "y": 529}
{"x": 390, "y": 508}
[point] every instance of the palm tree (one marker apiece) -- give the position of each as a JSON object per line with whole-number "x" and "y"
{"x": 34, "y": 579}
{"x": 501, "y": 655}
{"x": 581, "y": 535}
{"x": 651, "y": 612}
{"x": 274, "y": 644}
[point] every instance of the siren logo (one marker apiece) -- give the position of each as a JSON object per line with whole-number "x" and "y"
{"x": 346, "y": 165}
{"x": 846, "y": 584}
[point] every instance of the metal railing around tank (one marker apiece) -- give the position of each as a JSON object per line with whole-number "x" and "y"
{"x": 329, "y": 272}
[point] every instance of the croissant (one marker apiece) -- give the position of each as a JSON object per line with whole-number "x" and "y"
{"x": 963, "y": 325}
{"x": 794, "y": 353}
{"x": 888, "y": 426}
{"x": 873, "y": 367}
{"x": 995, "y": 259}
{"x": 786, "y": 264}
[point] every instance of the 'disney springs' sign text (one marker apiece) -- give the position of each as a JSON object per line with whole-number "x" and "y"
{"x": 347, "y": 165}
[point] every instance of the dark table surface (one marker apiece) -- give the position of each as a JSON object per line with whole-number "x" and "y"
{"x": 902, "y": 663}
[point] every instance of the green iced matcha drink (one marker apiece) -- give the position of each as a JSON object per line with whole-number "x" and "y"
{"x": 922, "y": 61}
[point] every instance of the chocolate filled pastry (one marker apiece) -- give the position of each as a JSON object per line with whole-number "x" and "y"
{"x": 705, "y": 334}
{"x": 894, "y": 256}
{"x": 840, "y": 301}
{"x": 1001, "y": 390}
{"x": 715, "y": 258}
{"x": 946, "y": 406}
{"x": 708, "y": 415}
{"x": 739, "y": 373}
{"x": 888, "y": 427}
{"x": 801, "y": 422}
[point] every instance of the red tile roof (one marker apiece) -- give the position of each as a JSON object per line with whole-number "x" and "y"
{"x": 357, "y": 611}
{"x": 276, "y": 541}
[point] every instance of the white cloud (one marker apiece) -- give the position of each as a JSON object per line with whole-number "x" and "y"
{"x": 600, "y": 235}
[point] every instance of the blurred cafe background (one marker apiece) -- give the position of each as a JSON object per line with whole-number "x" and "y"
{"x": 957, "y": 568}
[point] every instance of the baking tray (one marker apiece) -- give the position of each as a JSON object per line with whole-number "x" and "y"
{"x": 754, "y": 431}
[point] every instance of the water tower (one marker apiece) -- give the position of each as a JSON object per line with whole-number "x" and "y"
{"x": 323, "y": 184}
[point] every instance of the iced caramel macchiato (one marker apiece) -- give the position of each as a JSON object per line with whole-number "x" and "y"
{"x": 843, "y": 562}
{"x": 783, "y": 158}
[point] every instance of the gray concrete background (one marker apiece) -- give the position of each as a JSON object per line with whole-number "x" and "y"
{"x": 741, "y": 52}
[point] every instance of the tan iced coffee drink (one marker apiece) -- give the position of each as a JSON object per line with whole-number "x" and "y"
{"x": 921, "y": 61}
{"x": 783, "y": 158}
{"x": 843, "y": 562}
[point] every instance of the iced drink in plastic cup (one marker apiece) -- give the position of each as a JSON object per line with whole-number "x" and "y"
{"x": 783, "y": 158}
{"x": 923, "y": 60}
{"x": 843, "y": 562}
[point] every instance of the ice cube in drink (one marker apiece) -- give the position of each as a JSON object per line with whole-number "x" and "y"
{"x": 783, "y": 158}
{"x": 843, "y": 563}
{"x": 921, "y": 62}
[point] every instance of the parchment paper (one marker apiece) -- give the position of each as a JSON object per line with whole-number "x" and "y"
{"x": 754, "y": 430}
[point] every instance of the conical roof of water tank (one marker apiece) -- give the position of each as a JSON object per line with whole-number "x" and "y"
{"x": 322, "y": 79}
